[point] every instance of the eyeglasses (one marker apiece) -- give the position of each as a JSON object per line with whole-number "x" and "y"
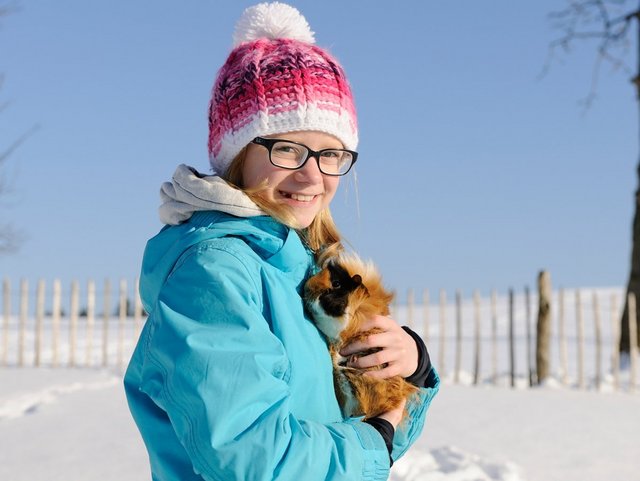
{"x": 292, "y": 156}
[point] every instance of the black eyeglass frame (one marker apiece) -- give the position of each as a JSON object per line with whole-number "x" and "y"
{"x": 269, "y": 143}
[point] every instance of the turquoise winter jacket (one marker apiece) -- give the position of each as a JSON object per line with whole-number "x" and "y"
{"x": 230, "y": 380}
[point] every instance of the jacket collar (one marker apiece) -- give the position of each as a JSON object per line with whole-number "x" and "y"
{"x": 190, "y": 191}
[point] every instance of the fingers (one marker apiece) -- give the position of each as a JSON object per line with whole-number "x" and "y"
{"x": 379, "y": 358}
{"x": 373, "y": 341}
{"x": 388, "y": 360}
{"x": 387, "y": 363}
{"x": 396, "y": 354}
{"x": 390, "y": 334}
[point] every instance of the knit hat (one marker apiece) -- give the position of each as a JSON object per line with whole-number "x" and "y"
{"x": 276, "y": 80}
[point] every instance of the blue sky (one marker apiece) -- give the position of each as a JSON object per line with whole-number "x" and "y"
{"x": 474, "y": 173}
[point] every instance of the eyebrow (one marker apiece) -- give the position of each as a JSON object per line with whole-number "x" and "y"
{"x": 284, "y": 137}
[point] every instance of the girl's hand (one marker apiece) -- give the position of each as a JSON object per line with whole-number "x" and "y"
{"x": 395, "y": 415}
{"x": 398, "y": 355}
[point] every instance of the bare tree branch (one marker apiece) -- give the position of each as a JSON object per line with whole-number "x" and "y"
{"x": 604, "y": 21}
{"x": 9, "y": 8}
{"x": 592, "y": 20}
{"x": 10, "y": 237}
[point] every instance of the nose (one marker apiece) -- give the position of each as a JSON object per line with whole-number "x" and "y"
{"x": 310, "y": 173}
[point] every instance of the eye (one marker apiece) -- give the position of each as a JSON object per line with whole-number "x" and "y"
{"x": 287, "y": 150}
{"x": 331, "y": 154}
{"x": 284, "y": 148}
{"x": 336, "y": 284}
{"x": 335, "y": 161}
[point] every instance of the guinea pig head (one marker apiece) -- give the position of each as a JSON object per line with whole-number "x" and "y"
{"x": 328, "y": 295}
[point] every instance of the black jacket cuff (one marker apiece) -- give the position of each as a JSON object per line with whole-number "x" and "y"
{"x": 421, "y": 376}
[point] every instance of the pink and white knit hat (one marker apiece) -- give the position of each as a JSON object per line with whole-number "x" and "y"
{"x": 275, "y": 81}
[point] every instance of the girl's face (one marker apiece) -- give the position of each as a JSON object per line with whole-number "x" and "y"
{"x": 306, "y": 191}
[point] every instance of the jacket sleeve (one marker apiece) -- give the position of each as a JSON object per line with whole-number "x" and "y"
{"x": 409, "y": 430}
{"x": 215, "y": 367}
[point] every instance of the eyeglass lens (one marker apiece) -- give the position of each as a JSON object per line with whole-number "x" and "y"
{"x": 290, "y": 156}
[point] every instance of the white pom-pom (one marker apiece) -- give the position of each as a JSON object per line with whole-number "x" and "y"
{"x": 272, "y": 20}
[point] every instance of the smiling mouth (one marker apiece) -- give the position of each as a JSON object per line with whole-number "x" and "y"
{"x": 297, "y": 197}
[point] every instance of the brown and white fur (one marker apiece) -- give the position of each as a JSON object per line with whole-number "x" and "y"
{"x": 345, "y": 293}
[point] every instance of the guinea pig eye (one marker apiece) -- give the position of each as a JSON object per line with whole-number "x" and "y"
{"x": 335, "y": 284}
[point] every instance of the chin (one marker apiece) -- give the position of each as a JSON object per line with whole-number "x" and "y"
{"x": 303, "y": 223}
{"x": 303, "y": 217}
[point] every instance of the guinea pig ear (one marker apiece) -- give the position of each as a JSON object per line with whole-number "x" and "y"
{"x": 357, "y": 280}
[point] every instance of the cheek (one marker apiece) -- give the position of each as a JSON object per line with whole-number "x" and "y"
{"x": 330, "y": 187}
{"x": 251, "y": 174}
{"x": 256, "y": 170}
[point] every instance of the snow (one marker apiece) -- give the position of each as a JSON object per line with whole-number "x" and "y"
{"x": 551, "y": 434}
{"x": 73, "y": 423}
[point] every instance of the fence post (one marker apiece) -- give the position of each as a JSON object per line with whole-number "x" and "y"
{"x": 55, "y": 321}
{"x": 425, "y": 314}
{"x": 562, "y": 339}
{"x": 598, "y": 340}
{"x": 543, "y": 330}
{"x": 6, "y": 300}
{"x": 443, "y": 315}
{"x": 456, "y": 374}
{"x": 105, "y": 322}
{"x": 580, "y": 340}
{"x": 512, "y": 348}
{"x": 24, "y": 306}
{"x": 91, "y": 316}
{"x": 633, "y": 340}
{"x": 494, "y": 337}
{"x": 73, "y": 322}
{"x": 615, "y": 338}
{"x": 122, "y": 315}
{"x": 410, "y": 308}
{"x": 39, "y": 320}
{"x": 476, "y": 364}
{"x": 527, "y": 303}
{"x": 137, "y": 309}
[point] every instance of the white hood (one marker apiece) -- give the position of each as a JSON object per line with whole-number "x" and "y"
{"x": 189, "y": 192}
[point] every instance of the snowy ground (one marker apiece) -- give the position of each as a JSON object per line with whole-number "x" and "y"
{"x": 73, "y": 424}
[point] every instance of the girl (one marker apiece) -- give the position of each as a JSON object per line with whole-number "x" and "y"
{"x": 230, "y": 380}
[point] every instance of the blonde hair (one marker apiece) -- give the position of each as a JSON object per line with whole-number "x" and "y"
{"x": 321, "y": 236}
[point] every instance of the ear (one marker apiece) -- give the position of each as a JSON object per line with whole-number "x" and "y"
{"x": 356, "y": 279}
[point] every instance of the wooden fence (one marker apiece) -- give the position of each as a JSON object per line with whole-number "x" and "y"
{"x": 475, "y": 340}
{"x": 79, "y": 336}
{"x": 492, "y": 340}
